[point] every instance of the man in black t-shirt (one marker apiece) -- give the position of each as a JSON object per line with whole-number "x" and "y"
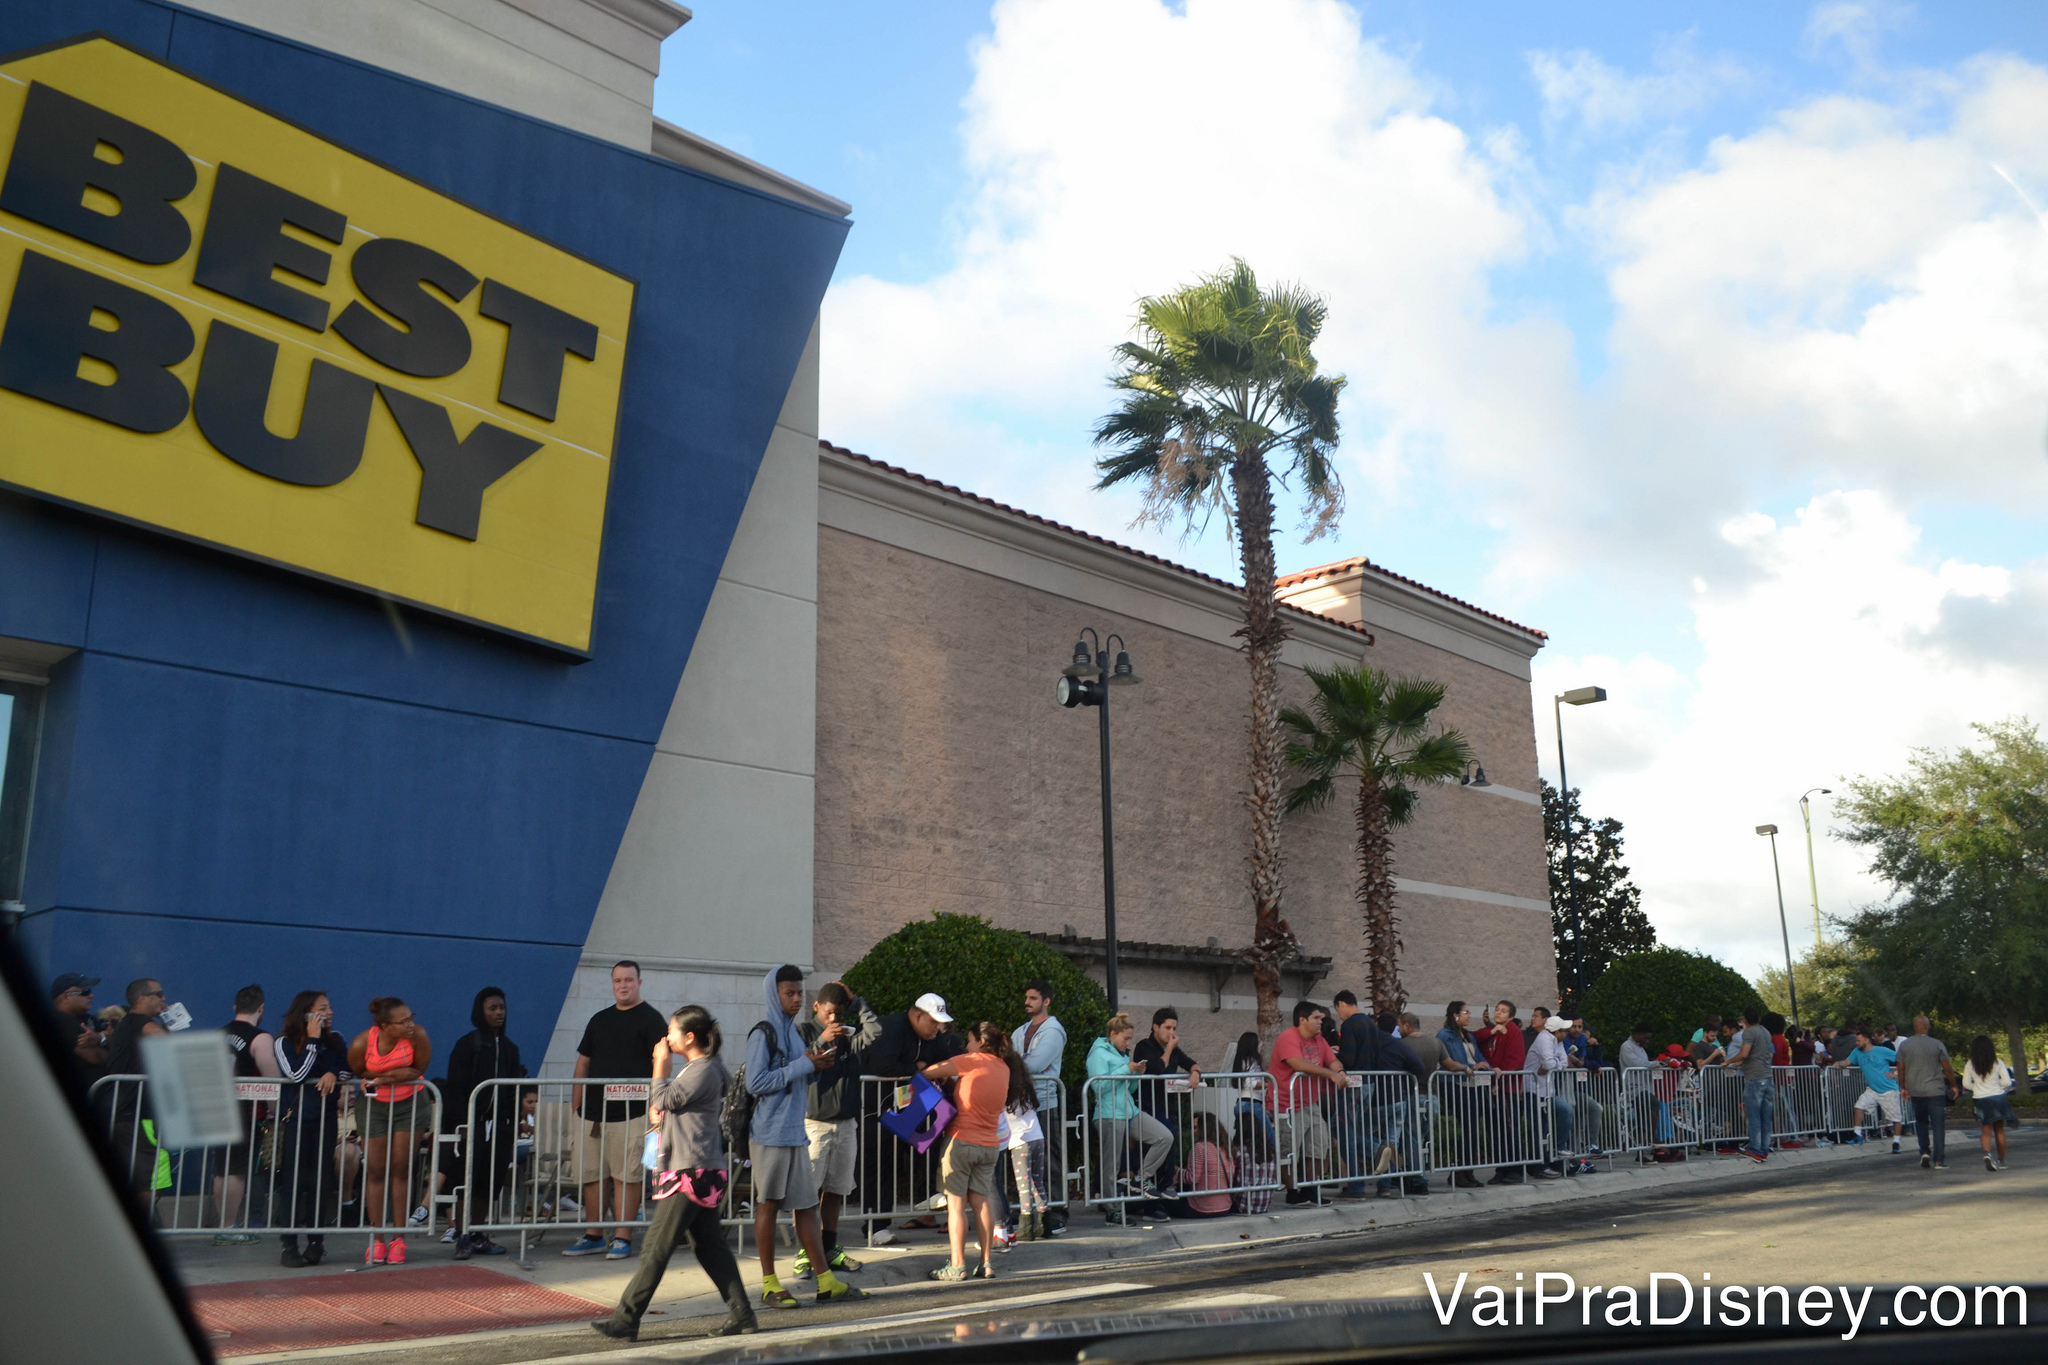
{"x": 618, "y": 1043}
{"x": 72, "y": 1025}
{"x": 253, "y": 1053}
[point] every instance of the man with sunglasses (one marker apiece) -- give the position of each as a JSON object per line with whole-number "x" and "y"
{"x": 132, "y": 1145}
{"x": 71, "y": 1015}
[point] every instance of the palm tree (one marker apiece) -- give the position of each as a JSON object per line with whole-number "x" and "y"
{"x": 1221, "y": 378}
{"x": 1376, "y": 726}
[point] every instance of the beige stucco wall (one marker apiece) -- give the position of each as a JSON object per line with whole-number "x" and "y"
{"x": 948, "y": 779}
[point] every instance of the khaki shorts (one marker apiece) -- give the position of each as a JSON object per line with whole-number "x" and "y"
{"x": 783, "y": 1175}
{"x": 834, "y": 1148}
{"x": 608, "y": 1151}
{"x": 1887, "y": 1105}
{"x": 381, "y": 1118}
{"x": 1308, "y": 1130}
{"x": 970, "y": 1168}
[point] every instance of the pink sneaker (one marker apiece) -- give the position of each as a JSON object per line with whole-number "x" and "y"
{"x": 397, "y": 1254}
{"x": 373, "y": 1254}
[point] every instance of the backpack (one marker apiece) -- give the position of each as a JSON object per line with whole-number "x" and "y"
{"x": 736, "y": 1114}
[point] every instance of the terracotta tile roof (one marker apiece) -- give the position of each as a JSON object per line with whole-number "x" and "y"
{"x": 957, "y": 492}
{"x": 1361, "y": 562}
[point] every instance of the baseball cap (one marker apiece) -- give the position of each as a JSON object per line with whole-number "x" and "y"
{"x": 935, "y": 1006}
{"x": 70, "y": 980}
{"x": 1557, "y": 1025}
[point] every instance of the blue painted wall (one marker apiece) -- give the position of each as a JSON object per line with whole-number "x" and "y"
{"x": 248, "y": 776}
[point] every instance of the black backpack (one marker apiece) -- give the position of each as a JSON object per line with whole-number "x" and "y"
{"x": 736, "y": 1115}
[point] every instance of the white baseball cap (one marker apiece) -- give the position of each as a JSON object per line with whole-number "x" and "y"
{"x": 1557, "y": 1025}
{"x": 935, "y": 1006}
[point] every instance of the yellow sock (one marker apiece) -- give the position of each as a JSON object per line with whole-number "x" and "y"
{"x": 770, "y": 1285}
{"x": 828, "y": 1282}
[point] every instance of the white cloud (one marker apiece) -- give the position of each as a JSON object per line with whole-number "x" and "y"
{"x": 1824, "y": 659}
{"x": 1581, "y": 91}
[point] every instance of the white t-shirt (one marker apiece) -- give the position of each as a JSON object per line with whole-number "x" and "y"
{"x": 1018, "y": 1128}
{"x": 1988, "y": 1087}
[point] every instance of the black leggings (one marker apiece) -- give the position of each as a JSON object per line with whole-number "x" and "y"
{"x": 675, "y": 1217}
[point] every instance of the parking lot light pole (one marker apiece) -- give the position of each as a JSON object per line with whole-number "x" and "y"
{"x": 1812, "y": 883}
{"x": 1086, "y": 682}
{"x": 1790, "y": 985}
{"x": 1578, "y": 696}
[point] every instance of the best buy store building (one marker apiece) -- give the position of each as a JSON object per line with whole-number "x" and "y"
{"x": 372, "y": 454}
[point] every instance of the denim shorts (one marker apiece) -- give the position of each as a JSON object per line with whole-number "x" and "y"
{"x": 1997, "y": 1109}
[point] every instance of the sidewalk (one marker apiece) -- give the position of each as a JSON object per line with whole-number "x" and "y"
{"x": 299, "y": 1318}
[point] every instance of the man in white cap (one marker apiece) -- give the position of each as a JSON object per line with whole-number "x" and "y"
{"x": 910, "y": 1039}
{"x": 1546, "y": 1061}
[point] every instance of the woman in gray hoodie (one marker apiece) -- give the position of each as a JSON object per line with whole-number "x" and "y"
{"x": 689, "y": 1175}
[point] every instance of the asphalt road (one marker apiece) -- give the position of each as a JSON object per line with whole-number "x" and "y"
{"x": 1883, "y": 1220}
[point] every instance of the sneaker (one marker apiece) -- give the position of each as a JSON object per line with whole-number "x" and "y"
{"x": 1386, "y": 1159}
{"x": 448, "y": 1237}
{"x": 884, "y": 1238}
{"x": 235, "y": 1239}
{"x": 1004, "y": 1239}
{"x": 2001, "y": 1166}
{"x": 619, "y": 1249}
{"x": 1856, "y": 1141}
{"x": 1823, "y": 1142}
{"x": 1583, "y": 1168}
{"x": 419, "y": 1217}
{"x": 463, "y": 1248}
{"x": 316, "y": 1251}
{"x": 373, "y": 1254}
{"x": 292, "y": 1260}
{"x": 1596, "y": 1150}
{"x": 837, "y": 1258}
{"x": 1060, "y": 1229}
{"x": 1941, "y": 1165}
{"x": 1895, "y": 1146}
{"x": 1926, "y": 1161}
{"x": 1758, "y": 1157}
{"x": 1545, "y": 1173}
{"x": 586, "y": 1245}
{"x": 951, "y": 1274}
{"x": 801, "y": 1268}
{"x": 484, "y": 1246}
{"x": 1989, "y": 1164}
{"x": 396, "y": 1255}
{"x": 1114, "y": 1216}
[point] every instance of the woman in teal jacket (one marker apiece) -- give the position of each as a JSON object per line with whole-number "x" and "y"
{"x": 1113, "y": 1105}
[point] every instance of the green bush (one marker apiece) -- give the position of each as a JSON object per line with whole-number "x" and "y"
{"x": 982, "y": 972}
{"x": 1670, "y": 989}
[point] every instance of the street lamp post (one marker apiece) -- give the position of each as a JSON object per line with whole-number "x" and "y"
{"x": 1578, "y": 696}
{"x": 1812, "y": 883}
{"x": 1086, "y": 682}
{"x": 1790, "y": 985}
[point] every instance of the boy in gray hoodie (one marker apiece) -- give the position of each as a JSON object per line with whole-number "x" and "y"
{"x": 780, "y": 1073}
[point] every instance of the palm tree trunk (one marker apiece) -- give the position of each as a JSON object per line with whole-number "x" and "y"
{"x": 1376, "y": 900}
{"x": 1272, "y": 942}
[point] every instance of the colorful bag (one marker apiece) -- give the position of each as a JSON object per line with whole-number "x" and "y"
{"x": 907, "y": 1122}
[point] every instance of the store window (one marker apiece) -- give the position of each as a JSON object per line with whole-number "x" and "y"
{"x": 21, "y": 716}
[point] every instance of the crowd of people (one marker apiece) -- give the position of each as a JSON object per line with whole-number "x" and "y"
{"x": 341, "y": 1132}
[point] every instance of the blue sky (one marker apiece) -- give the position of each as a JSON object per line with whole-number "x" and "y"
{"x": 1703, "y": 337}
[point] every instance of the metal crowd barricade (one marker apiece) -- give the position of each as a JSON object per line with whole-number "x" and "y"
{"x": 1595, "y": 1123}
{"x": 1644, "y": 1121}
{"x": 1842, "y": 1088}
{"x": 1140, "y": 1129}
{"x": 1724, "y": 1121}
{"x": 1800, "y": 1111}
{"x": 1368, "y": 1130}
{"x": 566, "y": 1136}
{"x": 300, "y": 1167}
{"x": 1488, "y": 1119}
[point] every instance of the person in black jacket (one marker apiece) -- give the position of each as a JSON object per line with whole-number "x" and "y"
{"x": 898, "y": 1051}
{"x": 842, "y": 1024}
{"x": 1159, "y": 1054}
{"x": 484, "y": 1161}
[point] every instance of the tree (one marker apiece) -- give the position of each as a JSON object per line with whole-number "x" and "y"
{"x": 1962, "y": 838}
{"x": 1221, "y": 379}
{"x": 1377, "y": 727}
{"x": 1838, "y": 984}
{"x": 982, "y": 971}
{"x": 1610, "y": 905}
{"x": 1670, "y": 989}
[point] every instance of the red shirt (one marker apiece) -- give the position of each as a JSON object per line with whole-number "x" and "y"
{"x": 1290, "y": 1043}
{"x": 1781, "y": 1051}
{"x": 1506, "y": 1051}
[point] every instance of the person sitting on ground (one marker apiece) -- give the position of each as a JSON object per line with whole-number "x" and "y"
{"x": 779, "y": 1074}
{"x": 1119, "y": 1121}
{"x": 832, "y": 1111}
{"x": 484, "y": 1161}
{"x": 1208, "y": 1171}
{"x": 973, "y": 1153}
{"x": 1880, "y": 1086}
{"x": 78, "y": 1035}
{"x": 1990, "y": 1084}
{"x": 691, "y": 1170}
{"x": 1255, "y": 1160}
{"x": 1302, "y": 1052}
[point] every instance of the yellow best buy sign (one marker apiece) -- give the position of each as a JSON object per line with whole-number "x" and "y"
{"x": 225, "y": 327}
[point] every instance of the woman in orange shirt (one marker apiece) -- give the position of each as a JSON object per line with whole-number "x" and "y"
{"x": 974, "y": 1154}
{"x": 392, "y": 1054}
